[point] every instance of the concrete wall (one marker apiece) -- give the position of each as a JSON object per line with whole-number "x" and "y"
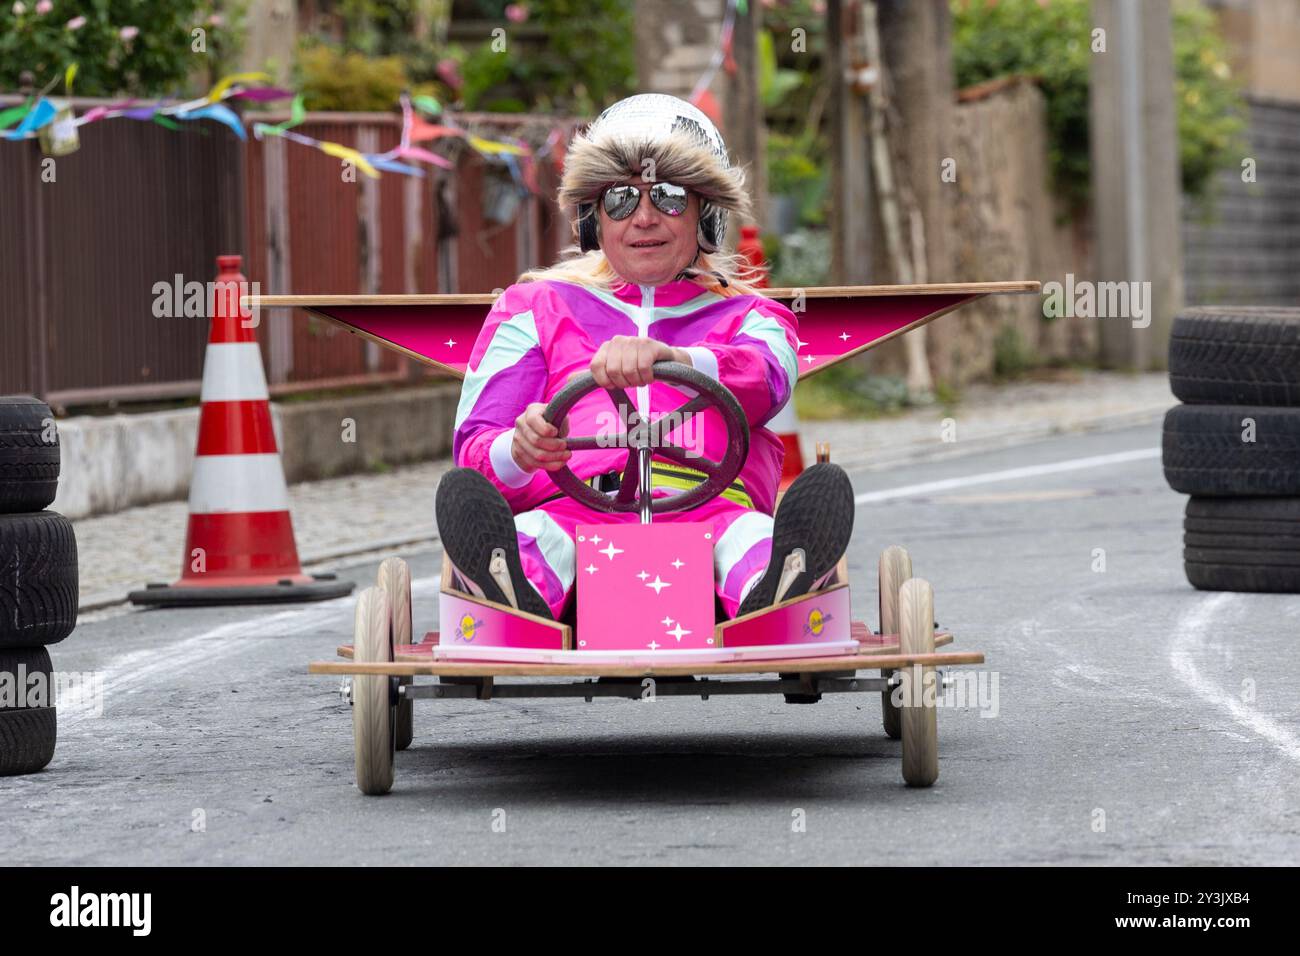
{"x": 116, "y": 462}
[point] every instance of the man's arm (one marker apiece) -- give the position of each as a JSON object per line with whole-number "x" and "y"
{"x": 506, "y": 372}
{"x": 759, "y": 363}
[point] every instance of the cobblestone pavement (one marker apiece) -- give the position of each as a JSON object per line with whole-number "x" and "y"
{"x": 342, "y": 516}
{"x": 363, "y": 513}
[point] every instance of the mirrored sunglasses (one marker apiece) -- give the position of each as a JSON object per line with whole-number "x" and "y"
{"x": 621, "y": 201}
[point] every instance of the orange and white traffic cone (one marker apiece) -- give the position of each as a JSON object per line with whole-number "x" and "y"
{"x": 786, "y": 425}
{"x": 239, "y": 548}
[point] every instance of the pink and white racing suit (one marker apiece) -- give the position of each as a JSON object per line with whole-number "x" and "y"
{"x": 539, "y": 334}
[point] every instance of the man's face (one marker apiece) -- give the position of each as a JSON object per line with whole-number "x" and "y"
{"x": 649, "y": 247}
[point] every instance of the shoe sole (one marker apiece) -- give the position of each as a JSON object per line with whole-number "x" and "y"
{"x": 815, "y": 514}
{"x": 473, "y": 520}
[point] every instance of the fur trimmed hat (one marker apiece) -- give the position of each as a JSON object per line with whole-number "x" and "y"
{"x": 663, "y": 139}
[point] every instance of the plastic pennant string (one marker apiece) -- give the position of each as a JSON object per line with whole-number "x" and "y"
{"x": 428, "y": 104}
{"x": 383, "y": 162}
{"x": 38, "y": 116}
{"x": 14, "y": 113}
{"x": 221, "y": 90}
{"x": 97, "y": 113}
{"x": 297, "y": 114}
{"x": 261, "y": 94}
{"x": 424, "y": 156}
{"x": 349, "y": 154}
{"x": 69, "y": 75}
{"x": 219, "y": 112}
{"x": 491, "y": 147}
{"x": 513, "y": 165}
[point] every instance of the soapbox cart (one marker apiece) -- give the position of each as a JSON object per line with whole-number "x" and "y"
{"x": 621, "y": 637}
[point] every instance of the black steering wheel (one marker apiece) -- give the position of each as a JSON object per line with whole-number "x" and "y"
{"x": 644, "y": 439}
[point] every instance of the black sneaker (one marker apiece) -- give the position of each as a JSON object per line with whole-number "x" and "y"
{"x": 815, "y": 516}
{"x": 477, "y": 527}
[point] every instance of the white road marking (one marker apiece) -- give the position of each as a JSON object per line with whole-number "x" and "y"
{"x": 1009, "y": 474}
{"x": 131, "y": 672}
{"x": 1193, "y": 627}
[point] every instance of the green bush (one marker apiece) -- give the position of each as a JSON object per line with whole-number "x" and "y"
{"x": 845, "y": 390}
{"x": 1052, "y": 42}
{"x": 587, "y": 62}
{"x": 159, "y": 59}
{"x": 330, "y": 79}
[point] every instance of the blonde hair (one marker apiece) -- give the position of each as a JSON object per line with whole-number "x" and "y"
{"x": 593, "y": 270}
{"x": 594, "y": 164}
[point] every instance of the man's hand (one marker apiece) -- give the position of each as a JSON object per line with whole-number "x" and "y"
{"x": 538, "y": 443}
{"x": 627, "y": 361}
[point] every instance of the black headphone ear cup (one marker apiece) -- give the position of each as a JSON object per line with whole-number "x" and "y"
{"x": 711, "y": 227}
{"x": 588, "y": 235}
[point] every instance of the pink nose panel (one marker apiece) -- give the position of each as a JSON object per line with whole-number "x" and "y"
{"x": 645, "y": 587}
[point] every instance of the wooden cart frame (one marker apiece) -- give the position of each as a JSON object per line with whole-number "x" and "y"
{"x": 383, "y": 663}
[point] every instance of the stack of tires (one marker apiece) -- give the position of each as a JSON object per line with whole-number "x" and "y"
{"x": 38, "y": 583}
{"x": 1234, "y": 446}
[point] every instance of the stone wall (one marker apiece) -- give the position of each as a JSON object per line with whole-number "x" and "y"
{"x": 1002, "y": 222}
{"x": 1005, "y": 223}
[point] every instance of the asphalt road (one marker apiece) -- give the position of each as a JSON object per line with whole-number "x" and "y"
{"x": 1135, "y": 720}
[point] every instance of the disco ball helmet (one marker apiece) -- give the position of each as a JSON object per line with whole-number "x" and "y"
{"x": 662, "y": 139}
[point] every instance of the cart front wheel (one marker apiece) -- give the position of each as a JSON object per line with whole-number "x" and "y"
{"x": 395, "y": 580}
{"x": 374, "y": 716}
{"x": 918, "y": 716}
{"x": 895, "y": 568}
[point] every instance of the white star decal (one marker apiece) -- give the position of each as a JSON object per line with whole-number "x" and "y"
{"x": 449, "y": 343}
{"x": 643, "y": 575}
{"x": 678, "y": 632}
{"x": 666, "y": 621}
{"x": 591, "y": 569}
{"x": 844, "y": 336}
{"x": 610, "y": 551}
{"x": 654, "y": 646}
{"x": 800, "y": 341}
{"x": 595, "y": 539}
{"x": 809, "y": 359}
{"x": 657, "y": 584}
{"x": 677, "y": 563}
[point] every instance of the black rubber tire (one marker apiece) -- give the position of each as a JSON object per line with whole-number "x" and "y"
{"x": 27, "y": 739}
{"x": 1236, "y": 356}
{"x": 1242, "y": 577}
{"x": 27, "y": 727}
{"x": 1243, "y": 516}
{"x": 16, "y": 661}
{"x": 1242, "y": 544}
{"x": 1204, "y": 454}
{"x": 38, "y": 579}
{"x": 1243, "y": 557}
{"x": 29, "y": 465}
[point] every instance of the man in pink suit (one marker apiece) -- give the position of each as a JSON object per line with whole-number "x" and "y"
{"x": 653, "y": 185}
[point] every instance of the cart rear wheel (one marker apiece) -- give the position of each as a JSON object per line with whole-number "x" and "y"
{"x": 373, "y": 714}
{"x": 895, "y": 568}
{"x": 395, "y": 580}
{"x": 919, "y": 720}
